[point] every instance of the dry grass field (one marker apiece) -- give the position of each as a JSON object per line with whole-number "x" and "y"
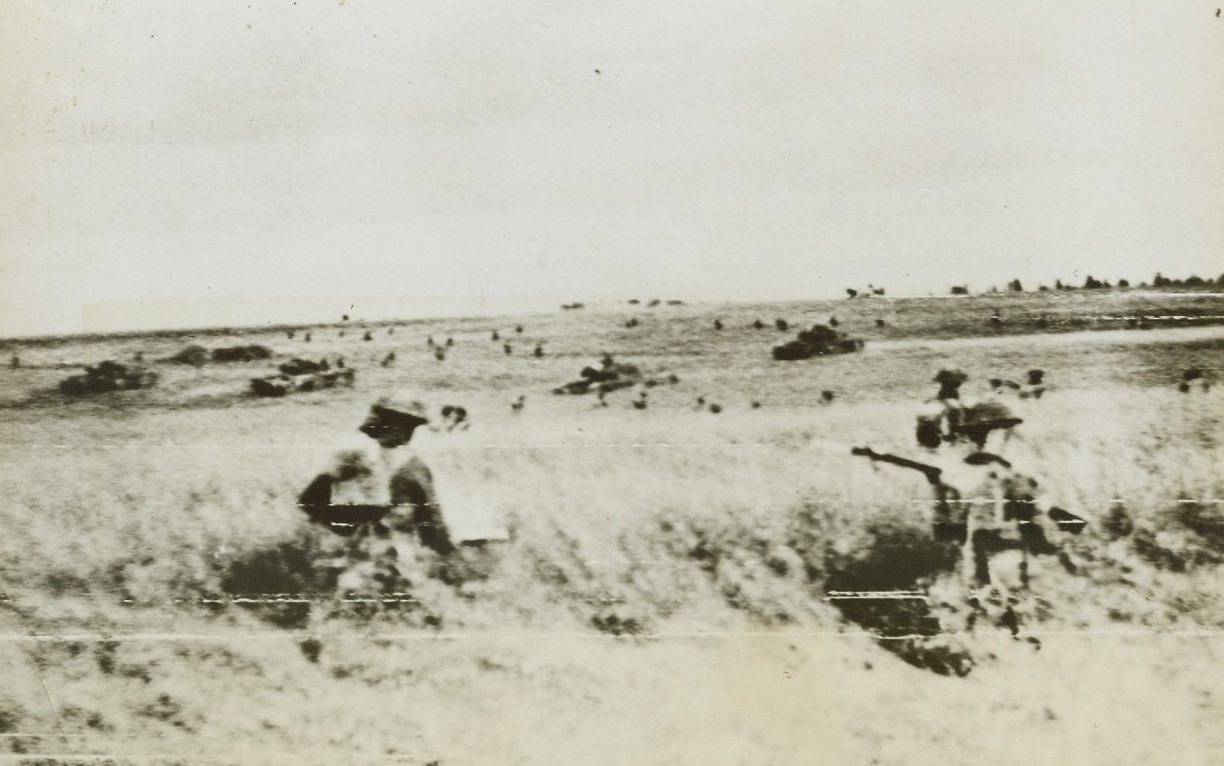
{"x": 662, "y": 596}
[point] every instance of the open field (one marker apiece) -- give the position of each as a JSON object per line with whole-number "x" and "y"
{"x": 662, "y": 597}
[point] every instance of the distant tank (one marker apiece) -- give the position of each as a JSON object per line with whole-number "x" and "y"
{"x": 108, "y": 376}
{"x": 820, "y": 340}
{"x": 282, "y": 384}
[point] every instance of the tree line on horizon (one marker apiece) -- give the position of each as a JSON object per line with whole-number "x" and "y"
{"x": 1092, "y": 283}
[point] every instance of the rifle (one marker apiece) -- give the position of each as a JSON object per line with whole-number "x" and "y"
{"x": 931, "y": 473}
{"x": 315, "y": 501}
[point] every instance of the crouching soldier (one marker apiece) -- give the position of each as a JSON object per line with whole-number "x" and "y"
{"x": 982, "y": 505}
{"x": 376, "y": 497}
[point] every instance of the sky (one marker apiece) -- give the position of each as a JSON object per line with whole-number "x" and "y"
{"x": 187, "y": 164}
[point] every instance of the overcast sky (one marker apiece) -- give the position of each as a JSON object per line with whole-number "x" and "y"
{"x": 281, "y": 161}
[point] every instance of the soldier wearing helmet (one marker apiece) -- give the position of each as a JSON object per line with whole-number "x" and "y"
{"x": 980, "y": 498}
{"x": 377, "y": 495}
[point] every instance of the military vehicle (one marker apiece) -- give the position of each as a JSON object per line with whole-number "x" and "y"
{"x": 281, "y": 384}
{"x": 820, "y": 340}
{"x": 108, "y": 376}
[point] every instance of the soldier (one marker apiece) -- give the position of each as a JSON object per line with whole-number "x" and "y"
{"x": 1034, "y": 385}
{"x": 376, "y": 496}
{"x": 455, "y": 418}
{"x": 982, "y": 502}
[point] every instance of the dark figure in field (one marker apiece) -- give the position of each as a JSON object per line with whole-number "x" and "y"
{"x": 833, "y": 322}
{"x": 454, "y": 418}
{"x": 880, "y": 323}
{"x": 389, "y": 359}
{"x": 289, "y": 334}
{"x": 851, "y": 293}
{"x": 949, "y": 382}
{"x": 450, "y": 342}
{"x": 367, "y": 336}
{"x": 631, "y": 323}
{"x": 1042, "y": 322}
{"x": 758, "y": 325}
{"x": 781, "y": 324}
{"x": 341, "y": 334}
{"x": 716, "y": 408}
{"x": 340, "y": 363}
{"x": 518, "y": 329}
{"x": 718, "y": 325}
{"x": 601, "y": 399}
{"x": 506, "y": 347}
{"x": 701, "y": 400}
{"x": 377, "y": 496}
{"x": 517, "y": 405}
{"x": 756, "y": 405}
{"x": 390, "y": 330}
{"x": 439, "y": 354}
{"x": 996, "y": 320}
{"x": 539, "y": 350}
{"x": 826, "y": 397}
{"x": 1034, "y": 385}
{"x": 306, "y": 337}
{"x": 1192, "y": 376}
{"x": 15, "y": 361}
{"x": 640, "y": 402}
{"x": 495, "y": 336}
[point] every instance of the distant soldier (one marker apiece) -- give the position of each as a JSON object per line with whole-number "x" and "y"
{"x": 507, "y": 349}
{"x": 455, "y": 418}
{"x": 718, "y": 325}
{"x": 15, "y": 361}
{"x": 539, "y": 350}
{"x": 758, "y": 325}
{"x": 1034, "y": 385}
{"x": 450, "y": 342}
{"x": 496, "y": 336}
{"x": 1191, "y": 377}
{"x": 306, "y": 337}
{"x": 517, "y": 405}
{"x": 376, "y": 496}
{"x": 389, "y": 359}
{"x": 368, "y": 336}
{"x": 439, "y": 354}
